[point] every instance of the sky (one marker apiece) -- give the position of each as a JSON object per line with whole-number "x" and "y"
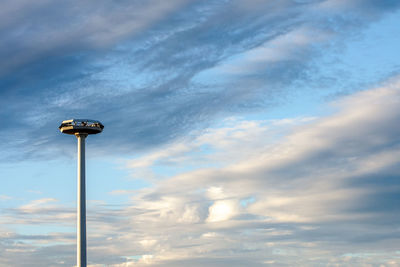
{"x": 237, "y": 132}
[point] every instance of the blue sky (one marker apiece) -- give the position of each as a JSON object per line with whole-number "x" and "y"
{"x": 237, "y": 132}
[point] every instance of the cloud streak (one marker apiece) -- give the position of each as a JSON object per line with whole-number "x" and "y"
{"x": 152, "y": 76}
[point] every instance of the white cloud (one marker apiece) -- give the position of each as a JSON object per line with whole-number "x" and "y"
{"x": 302, "y": 183}
{"x": 148, "y": 242}
{"x": 5, "y": 197}
{"x": 215, "y": 192}
{"x": 229, "y": 142}
{"x": 222, "y": 210}
{"x": 34, "y": 205}
{"x": 299, "y": 179}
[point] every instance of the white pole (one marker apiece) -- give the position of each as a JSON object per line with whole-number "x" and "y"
{"x": 81, "y": 207}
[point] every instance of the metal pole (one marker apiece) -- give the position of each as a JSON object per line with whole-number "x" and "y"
{"x": 81, "y": 207}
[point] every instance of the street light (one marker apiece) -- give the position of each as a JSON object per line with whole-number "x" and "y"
{"x": 81, "y": 129}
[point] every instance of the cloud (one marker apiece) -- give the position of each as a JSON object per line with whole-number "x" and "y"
{"x": 159, "y": 75}
{"x": 148, "y": 75}
{"x": 222, "y": 210}
{"x": 324, "y": 190}
{"x": 52, "y": 29}
{"x": 291, "y": 46}
{"x": 5, "y": 197}
{"x": 329, "y": 183}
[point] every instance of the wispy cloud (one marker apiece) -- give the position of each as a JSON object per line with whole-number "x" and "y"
{"x": 5, "y": 197}
{"x": 54, "y": 30}
{"x": 145, "y": 69}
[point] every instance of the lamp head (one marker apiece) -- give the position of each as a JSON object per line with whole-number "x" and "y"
{"x": 81, "y": 126}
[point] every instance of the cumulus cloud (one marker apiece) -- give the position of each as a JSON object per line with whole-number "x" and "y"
{"x": 222, "y": 210}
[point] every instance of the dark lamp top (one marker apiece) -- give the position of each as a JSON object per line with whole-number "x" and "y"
{"x": 81, "y": 126}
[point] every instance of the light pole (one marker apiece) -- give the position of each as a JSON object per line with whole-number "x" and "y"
{"x": 81, "y": 129}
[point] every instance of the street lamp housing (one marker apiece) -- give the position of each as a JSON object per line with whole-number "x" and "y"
{"x": 81, "y": 126}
